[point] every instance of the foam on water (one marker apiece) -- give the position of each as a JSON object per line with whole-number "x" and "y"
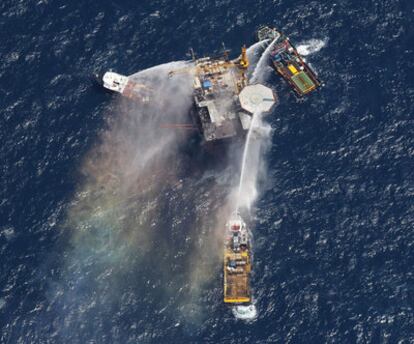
{"x": 247, "y": 313}
{"x": 7, "y": 232}
{"x": 2, "y": 303}
{"x": 311, "y": 46}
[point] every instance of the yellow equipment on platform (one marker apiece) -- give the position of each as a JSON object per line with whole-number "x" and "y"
{"x": 244, "y": 61}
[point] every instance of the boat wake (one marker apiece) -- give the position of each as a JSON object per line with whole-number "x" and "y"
{"x": 247, "y": 313}
{"x": 311, "y": 46}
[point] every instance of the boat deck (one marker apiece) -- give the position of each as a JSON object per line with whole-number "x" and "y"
{"x": 237, "y": 277}
{"x": 303, "y": 82}
{"x": 289, "y": 64}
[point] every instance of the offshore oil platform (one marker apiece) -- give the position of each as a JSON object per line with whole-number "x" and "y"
{"x": 224, "y": 105}
{"x": 224, "y": 102}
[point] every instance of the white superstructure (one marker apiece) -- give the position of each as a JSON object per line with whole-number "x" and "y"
{"x": 128, "y": 88}
{"x": 115, "y": 82}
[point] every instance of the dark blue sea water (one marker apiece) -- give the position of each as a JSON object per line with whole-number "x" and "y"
{"x": 92, "y": 251}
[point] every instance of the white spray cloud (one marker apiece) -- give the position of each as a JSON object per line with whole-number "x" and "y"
{"x": 253, "y": 167}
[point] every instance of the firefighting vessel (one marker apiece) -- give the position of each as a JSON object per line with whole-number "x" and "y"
{"x": 288, "y": 63}
{"x": 224, "y": 102}
{"x": 237, "y": 268}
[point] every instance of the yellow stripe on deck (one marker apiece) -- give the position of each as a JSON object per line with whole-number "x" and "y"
{"x": 236, "y": 299}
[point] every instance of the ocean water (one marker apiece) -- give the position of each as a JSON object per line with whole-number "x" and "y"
{"x": 110, "y": 225}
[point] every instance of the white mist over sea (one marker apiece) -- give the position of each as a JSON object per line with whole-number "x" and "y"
{"x": 253, "y": 166}
{"x": 119, "y": 210}
{"x": 262, "y": 68}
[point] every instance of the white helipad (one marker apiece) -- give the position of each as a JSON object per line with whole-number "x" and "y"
{"x": 255, "y": 98}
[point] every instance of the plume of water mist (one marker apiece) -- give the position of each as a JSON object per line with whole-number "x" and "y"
{"x": 253, "y": 166}
{"x": 262, "y": 69}
{"x": 254, "y": 56}
{"x": 206, "y": 256}
{"x": 257, "y": 140}
{"x": 134, "y": 156}
{"x": 251, "y": 188}
{"x": 117, "y": 209}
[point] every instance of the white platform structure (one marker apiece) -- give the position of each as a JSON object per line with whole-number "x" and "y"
{"x": 257, "y": 98}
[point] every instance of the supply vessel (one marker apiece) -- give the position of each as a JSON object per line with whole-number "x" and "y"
{"x": 237, "y": 268}
{"x": 288, "y": 63}
{"x": 224, "y": 102}
{"x": 126, "y": 86}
